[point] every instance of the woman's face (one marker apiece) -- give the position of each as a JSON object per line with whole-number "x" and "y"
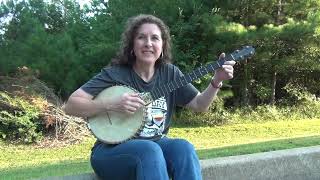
{"x": 147, "y": 44}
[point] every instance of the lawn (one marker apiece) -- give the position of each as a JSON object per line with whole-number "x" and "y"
{"x": 25, "y": 161}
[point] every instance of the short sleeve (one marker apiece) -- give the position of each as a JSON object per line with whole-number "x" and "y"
{"x": 98, "y": 83}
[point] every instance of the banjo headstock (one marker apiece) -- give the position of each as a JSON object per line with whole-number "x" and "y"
{"x": 238, "y": 55}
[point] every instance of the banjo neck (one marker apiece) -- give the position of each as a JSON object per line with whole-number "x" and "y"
{"x": 166, "y": 89}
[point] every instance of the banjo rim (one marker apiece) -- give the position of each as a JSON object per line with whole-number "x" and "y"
{"x": 139, "y": 129}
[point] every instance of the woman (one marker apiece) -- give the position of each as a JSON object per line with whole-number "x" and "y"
{"x": 143, "y": 63}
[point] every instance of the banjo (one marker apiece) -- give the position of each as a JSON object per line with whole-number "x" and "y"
{"x": 114, "y": 128}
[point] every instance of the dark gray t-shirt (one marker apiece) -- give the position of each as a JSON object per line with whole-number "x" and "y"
{"x": 159, "y": 112}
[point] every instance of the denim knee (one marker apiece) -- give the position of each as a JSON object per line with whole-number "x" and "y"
{"x": 153, "y": 164}
{"x": 182, "y": 146}
{"x": 151, "y": 149}
{"x": 138, "y": 159}
{"x": 182, "y": 160}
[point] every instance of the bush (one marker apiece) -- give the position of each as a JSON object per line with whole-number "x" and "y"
{"x": 19, "y": 119}
{"x": 217, "y": 115}
{"x": 307, "y": 107}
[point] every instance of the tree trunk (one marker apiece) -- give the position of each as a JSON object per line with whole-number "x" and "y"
{"x": 274, "y": 71}
{"x": 273, "y": 87}
{"x": 245, "y": 89}
{"x": 246, "y": 75}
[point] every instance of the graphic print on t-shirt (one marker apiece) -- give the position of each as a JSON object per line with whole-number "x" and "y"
{"x": 155, "y": 118}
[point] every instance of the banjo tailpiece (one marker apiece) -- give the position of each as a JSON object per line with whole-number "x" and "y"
{"x": 146, "y": 97}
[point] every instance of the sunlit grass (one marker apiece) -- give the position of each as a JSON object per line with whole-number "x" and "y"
{"x": 13, "y": 156}
{"x": 209, "y": 137}
{"x": 259, "y": 147}
{"x": 47, "y": 170}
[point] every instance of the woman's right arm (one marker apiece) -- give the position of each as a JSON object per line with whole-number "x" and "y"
{"x": 82, "y": 104}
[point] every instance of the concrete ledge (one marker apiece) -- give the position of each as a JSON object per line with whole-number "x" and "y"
{"x": 292, "y": 164}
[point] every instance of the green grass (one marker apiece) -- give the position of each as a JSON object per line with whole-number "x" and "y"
{"x": 16, "y": 156}
{"x": 25, "y": 162}
{"x": 236, "y": 134}
{"x": 83, "y": 166}
{"x": 42, "y": 171}
{"x": 259, "y": 147}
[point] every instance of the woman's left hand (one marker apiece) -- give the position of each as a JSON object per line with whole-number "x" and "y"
{"x": 225, "y": 72}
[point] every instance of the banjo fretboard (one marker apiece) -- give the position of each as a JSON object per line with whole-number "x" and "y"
{"x": 188, "y": 78}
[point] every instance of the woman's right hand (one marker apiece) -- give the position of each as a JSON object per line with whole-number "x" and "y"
{"x": 128, "y": 103}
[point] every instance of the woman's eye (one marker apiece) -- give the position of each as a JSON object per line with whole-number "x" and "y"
{"x": 155, "y": 38}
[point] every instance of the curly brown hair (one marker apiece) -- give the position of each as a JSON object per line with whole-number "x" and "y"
{"x": 124, "y": 56}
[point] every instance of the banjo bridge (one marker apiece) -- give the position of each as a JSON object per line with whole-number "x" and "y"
{"x": 146, "y": 97}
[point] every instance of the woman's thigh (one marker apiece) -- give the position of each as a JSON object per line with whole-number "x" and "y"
{"x": 181, "y": 158}
{"x": 134, "y": 159}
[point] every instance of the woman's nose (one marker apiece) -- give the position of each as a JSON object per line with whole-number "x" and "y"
{"x": 148, "y": 42}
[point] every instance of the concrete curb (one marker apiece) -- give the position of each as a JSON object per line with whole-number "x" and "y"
{"x": 291, "y": 164}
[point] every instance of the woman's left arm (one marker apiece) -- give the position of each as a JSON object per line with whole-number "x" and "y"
{"x": 201, "y": 102}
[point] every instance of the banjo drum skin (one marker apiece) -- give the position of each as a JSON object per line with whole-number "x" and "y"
{"x": 113, "y": 127}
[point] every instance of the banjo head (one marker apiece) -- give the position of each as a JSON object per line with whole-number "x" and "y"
{"x": 114, "y": 127}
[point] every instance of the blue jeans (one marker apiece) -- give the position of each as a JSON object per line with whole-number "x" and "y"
{"x": 139, "y": 159}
